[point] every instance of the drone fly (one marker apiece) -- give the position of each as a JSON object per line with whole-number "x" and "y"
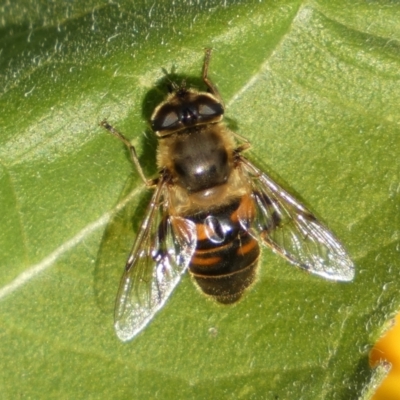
{"x": 210, "y": 212}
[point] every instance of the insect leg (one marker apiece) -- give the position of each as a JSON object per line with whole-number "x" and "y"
{"x": 211, "y": 87}
{"x": 243, "y": 147}
{"x": 132, "y": 151}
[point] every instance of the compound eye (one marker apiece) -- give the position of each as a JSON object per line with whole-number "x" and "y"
{"x": 185, "y": 110}
{"x": 205, "y": 109}
{"x": 169, "y": 119}
{"x": 208, "y": 108}
{"x": 166, "y": 118}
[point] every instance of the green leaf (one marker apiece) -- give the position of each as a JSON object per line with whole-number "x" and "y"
{"x": 313, "y": 85}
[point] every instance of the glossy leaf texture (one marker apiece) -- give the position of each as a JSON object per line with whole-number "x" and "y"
{"x": 314, "y": 85}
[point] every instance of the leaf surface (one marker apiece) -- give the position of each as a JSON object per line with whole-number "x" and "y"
{"x": 314, "y": 86}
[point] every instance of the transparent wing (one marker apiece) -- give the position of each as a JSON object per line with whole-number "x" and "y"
{"x": 292, "y": 231}
{"x": 160, "y": 255}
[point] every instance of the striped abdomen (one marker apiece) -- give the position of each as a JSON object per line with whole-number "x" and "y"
{"x": 225, "y": 260}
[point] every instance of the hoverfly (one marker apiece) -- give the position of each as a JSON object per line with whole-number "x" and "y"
{"x": 210, "y": 211}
